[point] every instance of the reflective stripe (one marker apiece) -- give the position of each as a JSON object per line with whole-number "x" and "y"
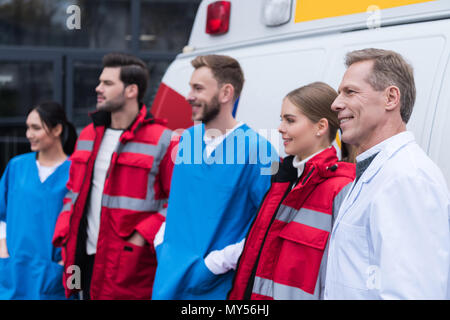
{"x": 279, "y": 291}
{"x": 286, "y": 214}
{"x": 163, "y": 143}
{"x": 142, "y": 148}
{"x": 337, "y": 202}
{"x": 163, "y": 212}
{"x": 67, "y": 206}
{"x": 73, "y": 196}
{"x": 263, "y": 287}
{"x": 315, "y": 219}
{"x": 157, "y": 152}
{"x": 165, "y": 138}
{"x": 148, "y": 149}
{"x": 127, "y": 203}
{"x": 85, "y": 145}
{"x": 320, "y": 283}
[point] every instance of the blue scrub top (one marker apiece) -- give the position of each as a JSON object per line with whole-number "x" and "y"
{"x": 30, "y": 209}
{"x": 212, "y": 202}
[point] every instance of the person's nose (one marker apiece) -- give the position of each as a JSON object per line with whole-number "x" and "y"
{"x": 99, "y": 88}
{"x": 29, "y": 134}
{"x": 338, "y": 104}
{"x": 281, "y": 128}
{"x": 190, "y": 97}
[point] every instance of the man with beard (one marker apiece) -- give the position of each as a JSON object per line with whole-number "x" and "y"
{"x": 119, "y": 182}
{"x": 221, "y": 174}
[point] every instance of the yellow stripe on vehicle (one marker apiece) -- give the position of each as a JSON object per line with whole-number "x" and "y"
{"x": 307, "y": 10}
{"x": 338, "y": 140}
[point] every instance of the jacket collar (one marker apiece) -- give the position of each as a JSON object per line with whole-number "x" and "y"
{"x": 103, "y": 119}
{"x": 383, "y": 151}
{"x": 324, "y": 165}
{"x": 312, "y": 175}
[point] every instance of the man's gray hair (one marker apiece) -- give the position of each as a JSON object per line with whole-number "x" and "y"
{"x": 389, "y": 69}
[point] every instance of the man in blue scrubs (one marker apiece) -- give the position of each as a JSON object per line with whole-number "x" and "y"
{"x": 221, "y": 174}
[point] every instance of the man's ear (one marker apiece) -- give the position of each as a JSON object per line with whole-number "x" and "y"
{"x": 132, "y": 91}
{"x": 226, "y": 93}
{"x": 392, "y": 98}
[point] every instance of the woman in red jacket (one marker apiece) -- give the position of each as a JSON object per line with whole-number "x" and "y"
{"x": 285, "y": 253}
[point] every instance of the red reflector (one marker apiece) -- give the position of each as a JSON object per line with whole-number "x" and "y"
{"x": 218, "y": 18}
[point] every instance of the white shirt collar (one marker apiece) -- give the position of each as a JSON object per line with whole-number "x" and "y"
{"x": 383, "y": 145}
{"x": 300, "y": 164}
{"x": 212, "y": 142}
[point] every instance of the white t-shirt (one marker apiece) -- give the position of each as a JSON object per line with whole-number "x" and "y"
{"x": 45, "y": 172}
{"x": 2, "y": 230}
{"x": 101, "y": 166}
{"x": 212, "y": 143}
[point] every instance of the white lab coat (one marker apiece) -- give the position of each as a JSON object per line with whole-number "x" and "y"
{"x": 391, "y": 239}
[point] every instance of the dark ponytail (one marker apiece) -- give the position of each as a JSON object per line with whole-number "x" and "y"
{"x": 69, "y": 138}
{"x": 52, "y": 114}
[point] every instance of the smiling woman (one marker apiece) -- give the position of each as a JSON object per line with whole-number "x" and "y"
{"x": 296, "y": 216}
{"x": 40, "y": 136}
{"x": 31, "y": 196}
{"x": 308, "y": 124}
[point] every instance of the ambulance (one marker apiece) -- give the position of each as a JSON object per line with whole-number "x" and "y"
{"x": 284, "y": 44}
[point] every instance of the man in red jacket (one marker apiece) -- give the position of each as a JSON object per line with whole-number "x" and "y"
{"x": 118, "y": 187}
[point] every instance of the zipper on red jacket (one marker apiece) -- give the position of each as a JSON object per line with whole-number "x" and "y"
{"x": 246, "y": 238}
{"x": 73, "y": 206}
{"x": 249, "y": 288}
{"x": 307, "y": 176}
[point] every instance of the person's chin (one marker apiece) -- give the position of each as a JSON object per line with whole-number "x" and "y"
{"x": 347, "y": 137}
{"x": 288, "y": 151}
{"x": 101, "y": 107}
{"x": 197, "y": 117}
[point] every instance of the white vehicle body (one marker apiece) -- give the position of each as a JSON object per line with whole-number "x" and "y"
{"x": 279, "y": 59}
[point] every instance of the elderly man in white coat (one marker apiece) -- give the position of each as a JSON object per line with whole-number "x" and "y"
{"x": 391, "y": 238}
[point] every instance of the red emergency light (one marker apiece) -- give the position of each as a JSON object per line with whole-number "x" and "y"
{"x": 218, "y": 17}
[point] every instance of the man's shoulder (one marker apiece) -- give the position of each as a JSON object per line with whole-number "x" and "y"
{"x": 411, "y": 165}
{"x": 87, "y": 132}
{"x": 254, "y": 136}
{"x": 411, "y": 160}
{"x": 152, "y": 132}
{"x": 155, "y": 127}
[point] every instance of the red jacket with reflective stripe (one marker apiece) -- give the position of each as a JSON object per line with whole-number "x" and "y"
{"x": 135, "y": 192}
{"x": 285, "y": 252}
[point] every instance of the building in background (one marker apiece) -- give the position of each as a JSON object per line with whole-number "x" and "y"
{"x": 52, "y": 49}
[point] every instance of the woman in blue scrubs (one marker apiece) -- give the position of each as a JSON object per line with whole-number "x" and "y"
{"x": 32, "y": 189}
